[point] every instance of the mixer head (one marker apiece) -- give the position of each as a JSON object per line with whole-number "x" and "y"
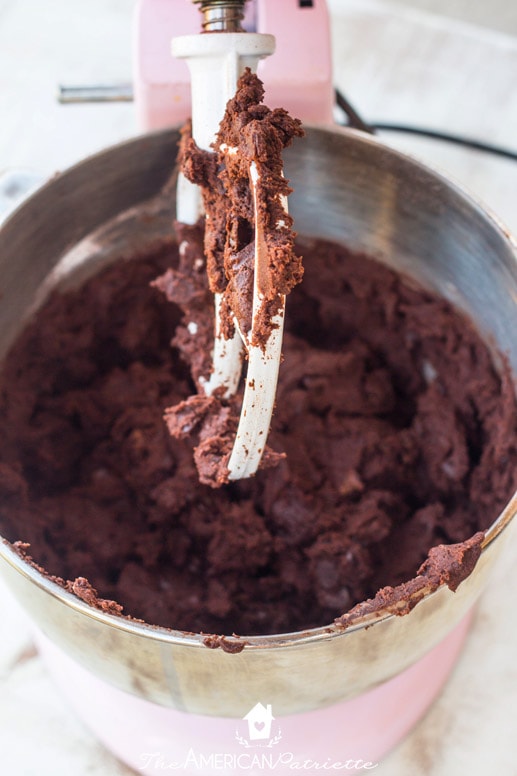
{"x": 297, "y": 77}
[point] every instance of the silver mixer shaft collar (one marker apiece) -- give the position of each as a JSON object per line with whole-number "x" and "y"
{"x": 222, "y": 15}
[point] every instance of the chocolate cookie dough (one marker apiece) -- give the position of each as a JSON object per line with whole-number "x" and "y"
{"x": 251, "y": 263}
{"x": 250, "y": 134}
{"x": 399, "y": 433}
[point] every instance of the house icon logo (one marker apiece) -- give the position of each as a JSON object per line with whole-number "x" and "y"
{"x": 260, "y": 719}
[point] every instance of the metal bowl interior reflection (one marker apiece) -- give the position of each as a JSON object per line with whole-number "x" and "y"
{"x": 349, "y": 188}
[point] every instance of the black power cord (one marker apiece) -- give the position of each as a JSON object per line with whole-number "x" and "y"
{"x": 357, "y": 122}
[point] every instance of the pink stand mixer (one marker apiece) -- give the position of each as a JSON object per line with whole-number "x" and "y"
{"x": 319, "y": 700}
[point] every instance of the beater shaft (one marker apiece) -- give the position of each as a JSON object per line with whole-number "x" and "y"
{"x": 222, "y": 15}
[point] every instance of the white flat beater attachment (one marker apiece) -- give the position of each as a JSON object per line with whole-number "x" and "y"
{"x": 216, "y": 60}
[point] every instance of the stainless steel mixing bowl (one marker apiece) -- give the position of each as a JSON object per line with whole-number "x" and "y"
{"x": 349, "y": 188}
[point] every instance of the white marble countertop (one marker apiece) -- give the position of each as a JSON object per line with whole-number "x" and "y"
{"x": 395, "y": 65}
